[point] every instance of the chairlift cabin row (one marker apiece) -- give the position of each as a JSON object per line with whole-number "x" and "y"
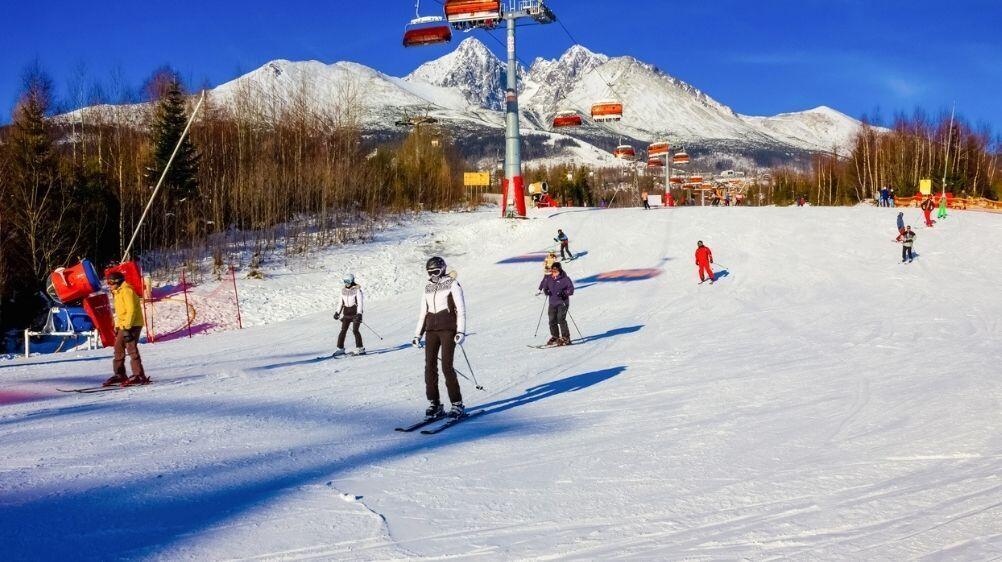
{"x": 464, "y": 14}
{"x": 680, "y": 158}
{"x": 655, "y": 162}
{"x": 658, "y": 149}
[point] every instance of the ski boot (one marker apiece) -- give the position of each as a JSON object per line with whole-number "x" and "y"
{"x": 137, "y": 380}
{"x": 434, "y": 411}
{"x": 339, "y": 352}
{"x": 553, "y": 341}
{"x": 457, "y": 411}
{"x": 115, "y": 379}
{"x": 358, "y": 351}
{"x": 563, "y": 341}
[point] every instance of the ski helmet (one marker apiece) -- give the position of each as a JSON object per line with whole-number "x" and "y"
{"x": 349, "y": 279}
{"x": 435, "y": 267}
{"x": 116, "y": 278}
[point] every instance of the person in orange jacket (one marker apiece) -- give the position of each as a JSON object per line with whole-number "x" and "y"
{"x": 128, "y": 326}
{"x": 704, "y": 257}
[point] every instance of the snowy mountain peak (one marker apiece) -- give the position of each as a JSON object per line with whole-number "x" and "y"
{"x": 473, "y": 69}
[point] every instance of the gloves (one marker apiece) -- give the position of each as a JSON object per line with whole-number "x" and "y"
{"x": 416, "y": 342}
{"x": 358, "y": 318}
{"x": 337, "y": 315}
{"x": 546, "y": 292}
{"x": 127, "y": 337}
{"x": 562, "y": 294}
{"x": 460, "y": 337}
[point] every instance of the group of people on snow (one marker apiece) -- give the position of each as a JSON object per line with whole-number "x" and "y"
{"x": 885, "y": 197}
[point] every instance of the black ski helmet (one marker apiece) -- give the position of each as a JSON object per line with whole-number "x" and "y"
{"x": 435, "y": 267}
{"x": 116, "y": 277}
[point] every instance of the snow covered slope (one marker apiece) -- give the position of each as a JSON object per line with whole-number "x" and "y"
{"x": 821, "y": 401}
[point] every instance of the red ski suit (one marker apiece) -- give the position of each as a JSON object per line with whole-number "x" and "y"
{"x": 704, "y": 257}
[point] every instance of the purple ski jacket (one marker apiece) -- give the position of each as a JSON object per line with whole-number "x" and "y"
{"x": 554, "y": 287}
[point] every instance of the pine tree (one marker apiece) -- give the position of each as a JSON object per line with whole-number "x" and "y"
{"x": 169, "y": 120}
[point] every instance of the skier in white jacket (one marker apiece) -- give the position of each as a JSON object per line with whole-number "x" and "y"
{"x": 442, "y": 320}
{"x": 350, "y": 313}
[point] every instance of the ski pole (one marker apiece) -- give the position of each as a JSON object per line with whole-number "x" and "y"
{"x": 540, "y": 323}
{"x": 575, "y": 324}
{"x": 373, "y": 331}
{"x": 472, "y": 374}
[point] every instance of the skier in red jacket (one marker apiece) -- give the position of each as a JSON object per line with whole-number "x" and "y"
{"x": 704, "y": 257}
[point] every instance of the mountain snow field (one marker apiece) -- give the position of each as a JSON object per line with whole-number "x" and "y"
{"x": 821, "y": 400}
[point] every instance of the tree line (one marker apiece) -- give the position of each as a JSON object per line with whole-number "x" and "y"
{"x": 262, "y": 173}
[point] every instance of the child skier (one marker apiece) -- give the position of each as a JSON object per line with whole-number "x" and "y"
{"x": 564, "y": 244}
{"x": 559, "y": 288}
{"x": 704, "y": 257}
{"x": 442, "y": 320}
{"x": 350, "y": 314}
{"x": 941, "y": 214}
{"x": 551, "y": 258}
{"x": 908, "y": 240}
{"x": 128, "y": 326}
{"x": 643, "y": 197}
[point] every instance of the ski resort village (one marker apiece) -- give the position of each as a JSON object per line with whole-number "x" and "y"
{"x": 501, "y": 280}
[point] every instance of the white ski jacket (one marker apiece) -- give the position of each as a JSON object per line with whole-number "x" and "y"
{"x": 352, "y": 300}
{"x": 442, "y": 307}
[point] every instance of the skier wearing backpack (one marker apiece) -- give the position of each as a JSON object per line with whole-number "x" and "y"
{"x": 558, "y": 287}
{"x": 704, "y": 257}
{"x": 908, "y": 240}
{"x": 564, "y": 244}
{"x": 442, "y": 320}
{"x": 350, "y": 314}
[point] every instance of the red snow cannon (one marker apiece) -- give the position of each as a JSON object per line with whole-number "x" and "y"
{"x": 98, "y": 308}
{"x": 74, "y": 283}
{"x": 133, "y": 275}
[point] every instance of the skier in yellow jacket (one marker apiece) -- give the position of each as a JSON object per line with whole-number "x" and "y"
{"x": 128, "y": 326}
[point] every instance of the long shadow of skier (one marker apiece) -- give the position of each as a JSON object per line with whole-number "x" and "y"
{"x": 609, "y": 334}
{"x": 570, "y": 384}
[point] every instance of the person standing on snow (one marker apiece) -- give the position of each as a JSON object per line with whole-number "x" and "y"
{"x": 901, "y": 226}
{"x": 442, "y": 320}
{"x": 704, "y": 257}
{"x": 350, "y": 314}
{"x": 128, "y": 326}
{"x": 564, "y": 244}
{"x": 643, "y": 197}
{"x": 558, "y": 287}
{"x": 908, "y": 240}
{"x": 927, "y": 206}
{"x": 941, "y": 214}
{"x": 551, "y": 258}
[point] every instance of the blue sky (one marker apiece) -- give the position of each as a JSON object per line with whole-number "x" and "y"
{"x": 857, "y": 56}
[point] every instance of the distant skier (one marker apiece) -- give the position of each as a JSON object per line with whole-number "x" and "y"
{"x": 927, "y": 206}
{"x": 908, "y": 240}
{"x": 558, "y": 287}
{"x": 704, "y": 257}
{"x": 901, "y": 226}
{"x": 350, "y": 313}
{"x": 643, "y": 197}
{"x": 128, "y": 326}
{"x": 564, "y": 244}
{"x": 442, "y": 320}
{"x": 941, "y": 214}
{"x": 890, "y": 197}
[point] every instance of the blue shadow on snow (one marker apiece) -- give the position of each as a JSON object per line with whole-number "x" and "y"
{"x": 570, "y": 384}
{"x": 609, "y": 334}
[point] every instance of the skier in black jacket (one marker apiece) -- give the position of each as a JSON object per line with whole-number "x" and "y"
{"x": 350, "y": 314}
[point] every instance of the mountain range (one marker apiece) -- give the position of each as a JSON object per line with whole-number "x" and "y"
{"x": 464, "y": 91}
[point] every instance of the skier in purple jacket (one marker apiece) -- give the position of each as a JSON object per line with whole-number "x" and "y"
{"x": 558, "y": 287}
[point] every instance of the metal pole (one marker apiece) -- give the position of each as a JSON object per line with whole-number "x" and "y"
{"x": 125, "y": 256}
{"x": 513, "y": 184}
{"x": 187, "y": 309}
{"x": 233, "y": 277}
{"x": 540, "y": 321}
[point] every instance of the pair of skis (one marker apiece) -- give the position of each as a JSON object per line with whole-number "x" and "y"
{"x": 96, "y": 389}
{"x": 429, "y": 421}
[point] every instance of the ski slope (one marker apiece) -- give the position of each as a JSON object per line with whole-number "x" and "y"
{"x": 821, "y": 400}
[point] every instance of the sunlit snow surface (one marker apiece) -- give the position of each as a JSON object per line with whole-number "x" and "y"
{"x": 822, "y": 400}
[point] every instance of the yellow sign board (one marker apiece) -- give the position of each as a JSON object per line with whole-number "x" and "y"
{"x": 925, "y": 187}
{"x": 476, "y": 179}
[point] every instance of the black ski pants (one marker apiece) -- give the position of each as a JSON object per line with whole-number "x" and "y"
{"x": 565, "y": 246}
{"x": 354, "y": 322}
{"x": 444, "y": 341}
{"x": 558, "y": 320}
{"x": 906, "y": 253}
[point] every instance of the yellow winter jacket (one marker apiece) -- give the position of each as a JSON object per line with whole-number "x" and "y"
{"x": 128, "y": 308}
